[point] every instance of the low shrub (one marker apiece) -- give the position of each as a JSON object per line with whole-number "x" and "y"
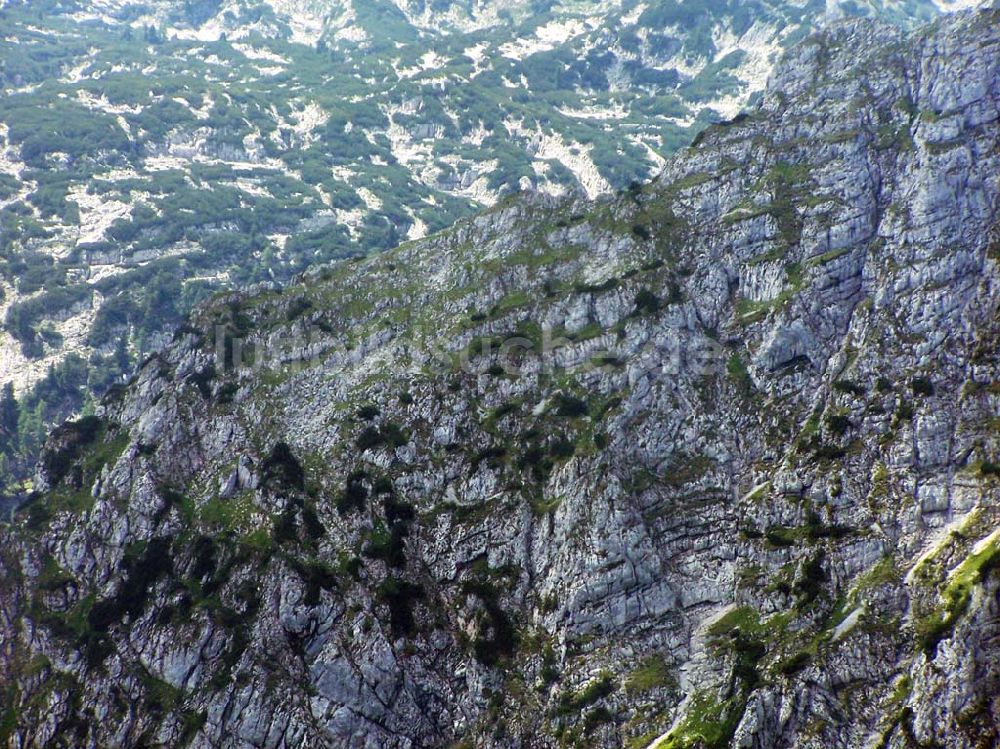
{"x": 400, "y": 596}
{"x": 141, "y": 573}
{"x": 838, "y": 424}
{"x": 574, "y": 702}
{"x": 849, "y": 387}
{"x": 570, "y": 406}
{"x": 646, "y": 302}
{"x": 283, "y": 468}
{"x": 353, "y": 497}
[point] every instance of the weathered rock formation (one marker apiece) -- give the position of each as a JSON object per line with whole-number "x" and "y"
{"x": 735, "y": 483}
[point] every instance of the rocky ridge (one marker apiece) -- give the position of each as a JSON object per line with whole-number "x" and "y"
{"x": 182, "y": 147}
{"x": 735, "y": 483}
{"x": 152, "y": 154}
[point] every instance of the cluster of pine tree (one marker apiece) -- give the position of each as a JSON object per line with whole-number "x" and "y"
{"x": 70, "y": 388}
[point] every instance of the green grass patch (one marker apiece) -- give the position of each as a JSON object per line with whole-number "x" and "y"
{"x": 957, "y": 593}
{"x": 652, "y": 673}
{"x": 574, "y": 701}
{"x": 707, "y": 724}
{"x": 739, "y": 374}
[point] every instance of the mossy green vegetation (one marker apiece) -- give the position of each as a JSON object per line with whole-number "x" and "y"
{"x": 750, "y": 311}
{"x": 739, "y": 373}
{"x": 954, "y": 596}
{"x": 652, "y": 673}
{"x": 572, "y": 702}
{"x": 708, "y": 723}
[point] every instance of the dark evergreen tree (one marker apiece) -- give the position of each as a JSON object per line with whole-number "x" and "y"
{"x": 8, "y": 420}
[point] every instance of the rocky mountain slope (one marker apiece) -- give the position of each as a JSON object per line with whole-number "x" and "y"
{"x": 151, "y": 153}
{"x": 710, "y": 463}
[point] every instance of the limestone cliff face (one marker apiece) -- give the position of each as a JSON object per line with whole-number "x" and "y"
{"x": 735, "y": 483}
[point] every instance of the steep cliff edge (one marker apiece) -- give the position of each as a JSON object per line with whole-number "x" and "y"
{"x": 714, "y": 463}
